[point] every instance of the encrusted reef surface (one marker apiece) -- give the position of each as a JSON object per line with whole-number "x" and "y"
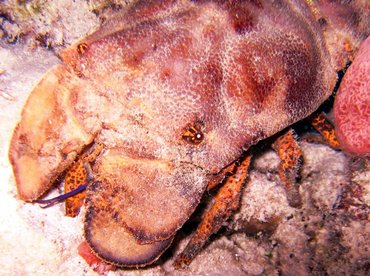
{"x": 328, "y": 235}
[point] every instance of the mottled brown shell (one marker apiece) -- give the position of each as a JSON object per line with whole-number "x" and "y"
{"x": 243, "y": 70}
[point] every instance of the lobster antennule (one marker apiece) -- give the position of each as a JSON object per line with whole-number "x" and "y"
{"x": 52, "y": 201}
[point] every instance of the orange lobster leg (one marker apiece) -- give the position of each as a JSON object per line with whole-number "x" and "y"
{"x": 78, "y": 175}
{"x": 77, "y": 178}
{"x": 290, "y": 155}
{"x": 226, "y": 201}
{"x": 326, "y": 129}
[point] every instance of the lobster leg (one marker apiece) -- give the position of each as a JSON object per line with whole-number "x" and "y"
{"x": 226, "y": 202}
{"x": 78, "y": 176}
{"x": 321, "y": 123}
{"x": 290, "y": 155}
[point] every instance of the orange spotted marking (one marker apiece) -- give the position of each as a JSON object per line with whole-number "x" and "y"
{"x": 226, "y": 202}
{"x": 78, "y": 175}
{"x": 326, "y": 129}
{"x": 290, "y": 155}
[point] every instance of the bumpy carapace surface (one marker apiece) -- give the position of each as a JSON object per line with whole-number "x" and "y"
{"x": 175, "y": 91}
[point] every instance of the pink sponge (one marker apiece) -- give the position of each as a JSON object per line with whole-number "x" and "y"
{"x": 352, "y": 105}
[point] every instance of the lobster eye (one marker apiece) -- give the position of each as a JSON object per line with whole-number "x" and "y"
{"x": 81, "y": 48}
{"x": 193, "y": 135}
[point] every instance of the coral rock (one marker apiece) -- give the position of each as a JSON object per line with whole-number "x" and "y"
{"x": 352, "y": 105}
